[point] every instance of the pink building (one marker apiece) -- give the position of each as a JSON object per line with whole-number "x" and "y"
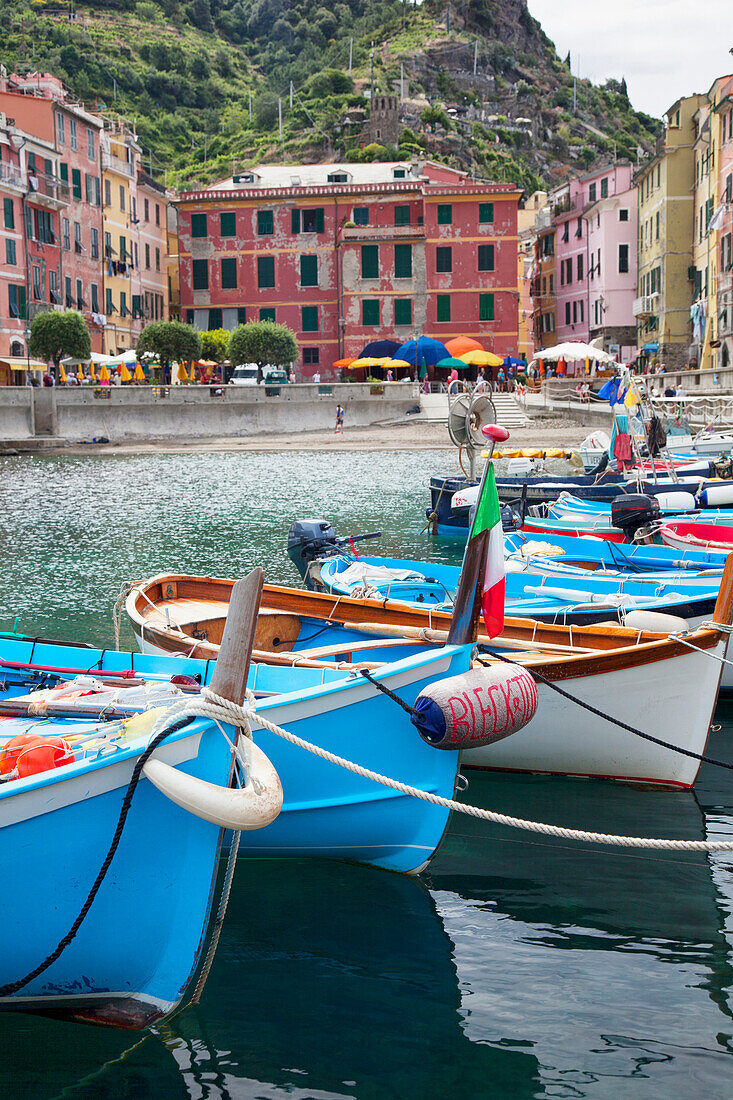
{"x": 595, "y": 221}
{"x": 724, "y": 212}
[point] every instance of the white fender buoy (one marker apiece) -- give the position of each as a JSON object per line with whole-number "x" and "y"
{"x": 250, "y": 807}
{"x": 659, "y": 622}
{"x": 716, "y": 494}
{"x": 677, "y": 501}
{"x": 475, "y": 708}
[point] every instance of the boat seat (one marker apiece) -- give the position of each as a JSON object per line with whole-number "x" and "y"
{"x": 356, "y": 647}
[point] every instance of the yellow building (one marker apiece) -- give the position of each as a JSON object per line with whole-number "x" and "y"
{"x": 527, "y": 222}
{"x": 665, "y": 246}
{"x": 705, "y": 236}
{"x": 135, "y": 226}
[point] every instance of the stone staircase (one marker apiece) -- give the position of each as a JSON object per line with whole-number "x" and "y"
{"x": 434, "y": 407}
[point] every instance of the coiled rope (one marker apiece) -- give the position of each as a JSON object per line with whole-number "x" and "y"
{"x": 217, "y": 708}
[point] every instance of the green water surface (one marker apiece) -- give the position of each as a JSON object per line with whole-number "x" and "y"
{"x": 516, "y": 967}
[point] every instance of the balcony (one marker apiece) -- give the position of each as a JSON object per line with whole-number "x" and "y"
{"x": 646, "y": 305}
{"x": 383, "y": 232}
{"x": 12, "y": 177}
{"x": 47, "y": 190}
{"x": 117, "y": 164}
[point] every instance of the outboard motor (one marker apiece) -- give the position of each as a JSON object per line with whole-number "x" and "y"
{"x": 309, "y": 539}
{"x": 509, "y": 518}
{"x": 632, "y": 511}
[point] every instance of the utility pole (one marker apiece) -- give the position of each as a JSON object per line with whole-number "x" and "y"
{"x": 371, "y": 77}
{"x": 575, "y": 95}
{"x": 351, "y": 53}
{"x": 250, "y": 105}
{"x": 475, "y": 56}
{"x": 291, "y": 95}
{"x": 280, "y": 116}
{"x": 402, "y": 82}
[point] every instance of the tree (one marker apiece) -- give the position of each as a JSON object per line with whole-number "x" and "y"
{"x": 264, "y": 343}
{"x": 170, "y": 340}
{"x": 215, "y": 344}
{"x": 55, "y": 334}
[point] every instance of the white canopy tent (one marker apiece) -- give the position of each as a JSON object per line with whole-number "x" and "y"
{"x": 571, "y": 351}
{"x": 99, "y": 360}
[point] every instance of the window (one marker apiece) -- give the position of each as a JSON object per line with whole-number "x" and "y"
{"x": 147, "y": 256}
{"x": 309, "y": 318}
{"x": 604, "y": 188}
{"x": 133, "y": 210}
{"x": 29, "y": 230}
{"x": 122, "y": 197}
{"x": 486, "y": 257}
{"x": 198, "y": 225}
{"x": 580, "y": 267}
{"x": 66, "y": 233}
{"x": 189, "y": 316}
{"x": 403, "y": 261}
{"x": 80, "y": 303}
{"x": 94, "y": 289}
{"x": 227, "y": 224}
{"x": 90, "y": 144}
{"x": 403, "y": 311}
{"x": 76, "y": 183}
{"x": 402, "y": 215}
{"x": 10, "y": 254}
{"x": 72, "y": 132}
{"x": 338, "y": 177}
{"x": 78, "y": 247}
{"x": 265, "y": 271}
{"x": 309, "y": 271}
{"x": 579, "y": 228}
{"x": 107, "y": 193}
{"x": 485, "y": 213}
{"x": 312, "y": 220}
{"x": 9, "y": 213}
{"x": 445, "y": 213}
{"x": 137, "y": 309}
{"x": 157, "y": 213}
{"x": 623, "y": 214}
{"x": 575, "y": 313}
{"x": 267, "y": 314}
{"x": 157, "y": 259}
{"x": 567, "y": 313}
{"x": 592, "y": 192}
{"x": 370, "y": 261}
{"x": 123, "y": 248}
{"x": 486, "y": 307}
{"x": 310, "y": 357}
{"x": 265, "y": 223}
{"x": 37, "y": 289}
{"x": 123, "y": 303}
{"x": 295, "y": 220}
{"x": 200, "y": 273}
{"x": 60, "y": 128}
{"x": 16, "y": 301}
{"x": 370, "y": 312}
{"x": 443, "y": 260}
{"x": 623, "y": 259}
{"x": 229, "y": 273}
{"x": 214, "y": 319}
{"x": 442, "y": 303}
{"x": 360, "y": 215}
{"x": 53, "y": 287}
{"x": 657, "y": 227}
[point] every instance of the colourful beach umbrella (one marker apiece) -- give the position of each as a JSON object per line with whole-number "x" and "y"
{"x": 482, "y": 359}
{"x": 379, "y": 349}
{"x": 459, "y": 345}
{"x": 125, "y": 375}
{"x": 92, "y": 372}
{"x": 397, "y": 364}
{"x": 181, "y": 373}
{"x": 368, "y": 362}
{"x": 453, "y": 364}
{"x": 104, "y": 373}
{"x": 192, "y": 375}
{"x": 424, "y": 350}
{"x": 343, "y": 364}
{"x": 139, "y": 374}
{"x": 62, "y": 373}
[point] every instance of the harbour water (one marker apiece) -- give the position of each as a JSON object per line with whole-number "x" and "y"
{"x": 516, "y": 967}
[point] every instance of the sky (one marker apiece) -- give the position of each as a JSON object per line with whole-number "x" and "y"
{"x": 664, "y": 48}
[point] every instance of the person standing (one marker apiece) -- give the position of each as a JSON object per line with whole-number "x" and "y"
{"x": 339, "y": 420}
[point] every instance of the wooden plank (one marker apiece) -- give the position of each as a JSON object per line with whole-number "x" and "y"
{"x": 232, "y": 665}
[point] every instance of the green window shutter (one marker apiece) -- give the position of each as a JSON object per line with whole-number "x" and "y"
{"x": 267, "y": 315}
{"x": 402, "y": 215}
{"x": 242, "y": 315}
{"x": 443, "y": 260}
{"x": 76, "y": 183}
{"x": 189, "y": 317}
{"x": 486, "y": 307}
{"x": 198, "y": 225}
{"x": 227, "y": 224}
{"x": 64, "y": 173}
{"x": 309, "y": 318}
{"x": 403, "y": 311}
{"x": 445, "y": 213}
{"x": 265, "y": 223}
{"x": 319, "y": 220}
{"x": 403, "y": 261}
{"x": 265, "y": 271}
{"x": 370, "y": 261}
{"x": 309, "y": 271}
{"x": 9, "y": 213}
{"x": 486, "y": 257}
{"x": 228, "y": 274}
{"x": 295, "y": 220}
{"x": 370, "y": 312}
{"x": 361, "y": 215}
{"x": 443, "y": 307}
{"x": 22, "y": 311}
{"x": 215, "y": 319}
{"x": 200, "y": 274}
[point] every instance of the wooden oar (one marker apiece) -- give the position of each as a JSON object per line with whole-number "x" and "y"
{"x": 439, "y": 637}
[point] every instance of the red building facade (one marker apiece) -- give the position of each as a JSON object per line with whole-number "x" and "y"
{"x": 345, "y": 254}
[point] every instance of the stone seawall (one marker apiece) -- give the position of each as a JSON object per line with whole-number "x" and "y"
{"x": 193, "y": 412}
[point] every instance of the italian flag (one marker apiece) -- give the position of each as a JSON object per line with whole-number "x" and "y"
{"x": 481, "y": 587}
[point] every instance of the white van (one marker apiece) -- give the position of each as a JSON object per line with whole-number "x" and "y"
{"x": 246, "y": 375}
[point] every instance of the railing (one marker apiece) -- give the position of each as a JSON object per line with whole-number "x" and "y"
{"x": 381, "y": 232}
{"x": 49, "y": 186}
{"x": 117, "y": 164}
{"x": 644, "y": 306}
{"x": 11, "y": 176}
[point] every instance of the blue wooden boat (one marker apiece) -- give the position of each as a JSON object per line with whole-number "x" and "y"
{"x": 596, "y": 554}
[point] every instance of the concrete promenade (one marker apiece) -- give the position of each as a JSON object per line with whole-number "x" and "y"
{"x": 39, "y": 417}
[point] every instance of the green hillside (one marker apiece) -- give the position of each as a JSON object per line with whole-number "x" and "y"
{"x": 202, "y": 79}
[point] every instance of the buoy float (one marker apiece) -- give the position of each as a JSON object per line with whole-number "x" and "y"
{"x": 476, "y": 708}
{"x": 29, "y": 754}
